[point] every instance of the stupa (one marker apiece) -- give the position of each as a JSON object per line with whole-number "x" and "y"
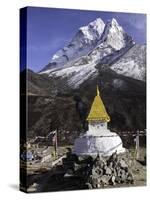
{"x": 98, "y": 139}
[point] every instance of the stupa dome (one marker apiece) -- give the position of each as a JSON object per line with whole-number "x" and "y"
{"x": 98, "y": 139}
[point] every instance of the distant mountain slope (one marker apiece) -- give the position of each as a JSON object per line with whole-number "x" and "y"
{"x": 38, "y": 84}
{"x": 124, "y": 98}
{"x": 133, "y": 63}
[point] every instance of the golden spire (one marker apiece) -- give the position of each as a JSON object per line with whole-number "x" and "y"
{"x": 97, "y": 91}
{"x": 98, "y": 111}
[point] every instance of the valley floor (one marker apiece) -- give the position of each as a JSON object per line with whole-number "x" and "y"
{"x": 48, "y": 179}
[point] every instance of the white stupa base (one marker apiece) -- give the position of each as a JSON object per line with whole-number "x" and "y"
{"x": 103, "y": 143}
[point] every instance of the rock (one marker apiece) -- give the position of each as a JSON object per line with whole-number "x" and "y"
{"x": 100, "y": 172}
{"x": 114, "y": 173}
{"x": 123, "y": 164}
{"x": 112, "y": 180}
{"x": 108, "y": 171}
{"x": 69, "y": 173}
{"x": 130, "y": 178}
{"x": 96, "y": 171}
{"x": 118, "y": 179}
{"x": 93, "y": 180}
{"x": 99, "y": 161}
{"x": 89, "y": 185}
{"x": 113, "y": 157}
{"x": 104, "y": 180}
{"x": 123, "y": 176}
{"x": 110, "y": 165}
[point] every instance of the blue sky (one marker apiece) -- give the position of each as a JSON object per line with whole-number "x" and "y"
{"x": 49, "y": 29}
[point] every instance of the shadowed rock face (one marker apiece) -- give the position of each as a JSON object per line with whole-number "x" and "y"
{"x": 53, "y": 105}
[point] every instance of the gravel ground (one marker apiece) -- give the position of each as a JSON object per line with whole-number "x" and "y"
{"x": 47, "y": 181}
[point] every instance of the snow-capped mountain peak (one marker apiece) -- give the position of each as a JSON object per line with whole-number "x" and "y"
{"x": 93, "y": 44}
{"x": 113, "y": 21}
{"x": 93, "y": 30}
{"x": 83, "y": 42}
{"x": 115, "y": 36}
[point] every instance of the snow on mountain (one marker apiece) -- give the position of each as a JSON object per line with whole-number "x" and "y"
{"x": 76, "y": 75}
{"x": 115, "y": 36}
{"x": 93, "y": 44}
{"x": 84, "y": 40}
{"x": 112, "y": 41}
{"x": 92, "y": 32}
{"x": 133, "y": 63}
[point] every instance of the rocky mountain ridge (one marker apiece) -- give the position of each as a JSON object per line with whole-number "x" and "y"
{"x": 98, "y": 43}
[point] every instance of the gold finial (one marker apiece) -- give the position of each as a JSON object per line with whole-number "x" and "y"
{"x": 98, "y": 111}
{"x": 97, "y": 91}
